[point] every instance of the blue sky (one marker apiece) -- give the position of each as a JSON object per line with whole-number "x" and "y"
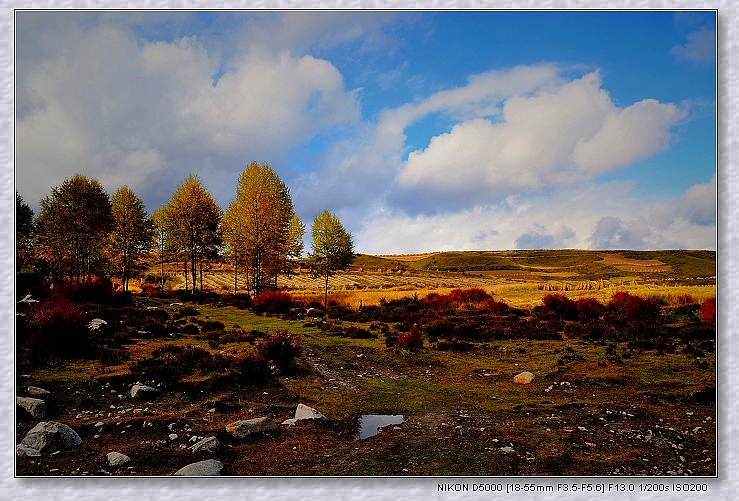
{"x": 422, "y": 131}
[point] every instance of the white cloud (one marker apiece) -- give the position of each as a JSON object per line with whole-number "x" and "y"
{"x": 558, "y": 136}
{"x": 581, "y": 216}
{"x": 107, "y": 104}
{"x": 700, "y": 47}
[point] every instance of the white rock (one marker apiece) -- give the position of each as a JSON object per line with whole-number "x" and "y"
{"x": 117, "y": 459}
{"x": 34, "y": 406}
{"x": 523, "y": 378}
{"x": 244, "y": 428}
{"x": 35, "y": 391}
{"x": 51, "y": 436}
{"x": 25, "y": 452}
{"x": 209, "y": 445}
{"x": 141, "y": 390}
{"x": 209, "y": 467}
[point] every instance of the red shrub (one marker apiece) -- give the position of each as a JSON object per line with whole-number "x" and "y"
{"x": 685, "y": 299}
{"x": 411, "y": 340}
{"x": 494, "y": 306}
{"x": 560, "y": 304}
{"x": 57, "y": 327}
{"x": 634, "y": 307}
{"x": 708, "y": 310}
{"x": 588, "y": 308}
{"x": 273, "y": 302}
{"x": 474, "y": 295}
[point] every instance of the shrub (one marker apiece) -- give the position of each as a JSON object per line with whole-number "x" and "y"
{"x": 251, "y": 369}
{"x": 411, "y": 340}
{"x": 708, "y": 310}
{"x": 453, "y": 344}
{"x": 634, "y": 308}
{"x": 685, "y": 299}
{"x": 273, "y": 302}
{"x": 560, "y": 305}
{"x": 474, "y": 295}
{"x": 588, "y": 308}
{"x": 494, "y": 306}
{"x": 187, "y": 311}
{"x": 190, "y": 329}
{"x": 437, "y": 329}
{"x": 57, "y": 327}
{"x": 212, "y": 325}
{"x": 281, "y": 348}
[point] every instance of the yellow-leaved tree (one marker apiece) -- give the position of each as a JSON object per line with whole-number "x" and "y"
{"x": 191, "y": 222}
{"x": 260, "y": 228}
{"x": 332, "y": 249}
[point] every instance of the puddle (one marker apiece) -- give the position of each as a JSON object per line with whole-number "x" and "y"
{"x": 372, "y": 424}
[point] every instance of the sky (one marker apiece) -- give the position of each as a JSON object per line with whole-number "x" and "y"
{"x": 421, "y": 130}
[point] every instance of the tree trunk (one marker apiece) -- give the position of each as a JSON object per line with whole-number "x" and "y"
{"x": 325, "y": 299}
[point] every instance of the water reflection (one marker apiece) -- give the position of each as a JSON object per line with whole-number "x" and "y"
{"x": 372, "y": 424}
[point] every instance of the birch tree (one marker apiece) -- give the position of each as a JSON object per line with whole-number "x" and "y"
{"x": 132, "y": 234}
{"x": 261, "y": 228}
{"x": 332, "y": 248}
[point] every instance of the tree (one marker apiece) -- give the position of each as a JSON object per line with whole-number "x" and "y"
{"x": 192, "y": 220}
{"x": 73, "y": 226}
{"x": 132, "y": 234}
{"x": 260, "y": 227}
{"x": 333, "y": 249}
{"x": 24, "y": 230}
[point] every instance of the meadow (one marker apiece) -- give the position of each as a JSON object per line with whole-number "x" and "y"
{"x": 624, "y": 372}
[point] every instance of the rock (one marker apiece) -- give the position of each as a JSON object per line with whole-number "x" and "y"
{"x": 117, "y": 459}
{"x": 507, "y": 449}
{"x": 523, "y": 378}
{"x": 37, "y": 392}
{"x": 96, "y": 323}
{"x": 244, "y": 428}
{"x": 28, "y": 299}
{"x": 34, "y": 406}
{"x": 304, "y": 412}
{"x": 26, "y": 452}
{"x": 209, "y": 467}
{"x": 209, "y": 445}
{"x": 143, "y": 391}
{"x": 51, "y": 436}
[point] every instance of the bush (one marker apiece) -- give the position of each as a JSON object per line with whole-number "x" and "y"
{"x": 634, "y": 308}
{"x": 212, "y": 325}
{"x": 273, "y": 302}
{"x": 708, "y": 310}
{"x": 411, "y": 340}
{"x": 474, "y": 295}
{"x": 588, "y": 308}
{"x": 251, "y": 369}
{"x": 560, "y": 305}
{"x": 494, "y": 306}
{"x": 190, "y": 329}
{"x": 57, "y": 327}
{"x": 685, "y": 299}
{"x": 281, "y": 348}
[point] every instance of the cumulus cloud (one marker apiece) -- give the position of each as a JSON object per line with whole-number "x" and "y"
{"x": 110, "y": 105}
{"x": 559, "y": 135}
{"x": 700, "y": 47}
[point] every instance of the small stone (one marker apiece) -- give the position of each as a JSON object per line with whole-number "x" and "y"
{"x": 117, "y": 459}
{"x": 523, "y": 378}
{"x": 209, "y": 467}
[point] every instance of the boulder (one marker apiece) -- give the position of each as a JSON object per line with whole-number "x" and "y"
{"x": 523, "y": 378}
{"x": 244, "y": 428}
{"x": 117, "y": 459}
{"x": 208, "y": 445}
{"x": 25, "y": 452}
{"x": 304, "y": 412}
{"x": 143, "y": 391}
{"x": 50, "y": 436}
{"x": 207, "y": 468}
{"x": 95, "y": 324}
{"x": 37, "y": 392}
{"x": 34, "y": 406}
